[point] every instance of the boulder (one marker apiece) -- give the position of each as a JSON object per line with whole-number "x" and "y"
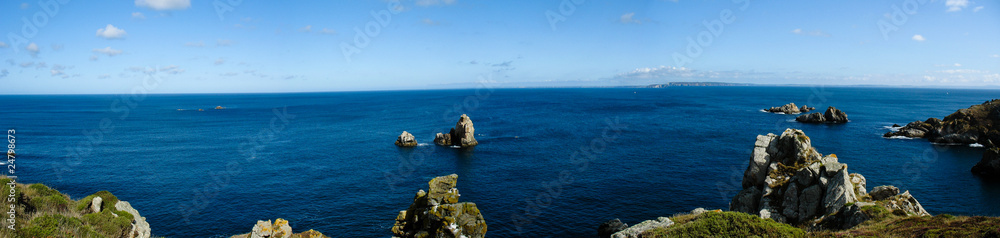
{"x": 883, "y": 192}
{"x": 811, "y": 118}
{"x": 278, "y": 229}
{"x": 406, "y": 140}
{"x": 840, "y": 191}
{"x": 789, "y": 108}
{"x": 462, "y": 135}
{"x": 805, "y": 109}
{"x": 95, "y": 205}
{"x": 610, "y": 227}
{"x": 637, "y": 230}
{"x": 860, "y": 184}
{"x": 989, "y": 166}
{"x": 439, "y": 214}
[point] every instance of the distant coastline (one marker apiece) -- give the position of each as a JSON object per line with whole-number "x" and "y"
{"x": 697, "y": 84}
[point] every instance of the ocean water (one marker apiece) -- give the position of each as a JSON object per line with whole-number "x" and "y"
{"x": 550, "y": 162}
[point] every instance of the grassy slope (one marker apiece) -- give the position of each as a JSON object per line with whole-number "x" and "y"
{"x": 885, "y": 224}
{"x": 44, "y": 212}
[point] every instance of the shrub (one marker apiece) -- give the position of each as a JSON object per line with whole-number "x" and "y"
{"x": 727, "y": 224}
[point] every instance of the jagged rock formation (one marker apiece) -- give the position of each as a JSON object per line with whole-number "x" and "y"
{"x": 463, "y": 135}
{"x": 437, "y": 213}
{"x": 989, "y": 166}
{"x": 140, "y": 228}
{"x": 976, "y": 124}
{"x": 832, "y": 115}
{"x": 788, "y": 181}
{"x": 637, "y": 230}
{"x": 790, "y": 108}
{"x": 278, "y": 229}
{"x": 608, "y": 228}
{"x": 406, "y": 140}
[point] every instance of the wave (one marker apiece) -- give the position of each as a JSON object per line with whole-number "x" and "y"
{"x": 423, "y": 144}
{"x": 976, "y": 145}
{"x": 891, "y": 128}
{"x": 936, "y": 143}
{"x": 900, "y": 137}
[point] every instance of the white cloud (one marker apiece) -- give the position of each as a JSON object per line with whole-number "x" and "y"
{"x": 93, "y": 58}
{"x": 3, "y": 45}
{"x": 918, "y": 38}
{"x": 956, "y": 5}
{"x": 32, "y": 48}
{"x": 229, "y": 74}
{"x": 977, "y": 9}
{"x": 424, "y": 3}
{"x": 57, "y": 47}
{"x": 627, "y": 18}
{"x": 26, "y": 64}
{"x": 172, "y": 69}
{"x": 25, "y": 5}
{"x": 161, "y": 5}
{"x": 111, "y": 32}
{"x": 58, "y": 70}
{"x": 220, "y": 61}
{"x": 430, "y": 22}
{"x": 108, "y": 51}
{"x": 995, "y": 56}
{"x": 103, "y": 76}
{"x": 810, "y": 33}
{"x": 328, "y": 31}
{"x": 138, "y": 16}
{"x": 958, "y": 65}
{"x": 307, "y": 28}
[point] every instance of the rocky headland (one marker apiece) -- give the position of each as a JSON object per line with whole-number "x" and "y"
{"x": 978, "y": 124}
{"x": 44, "y": 212}
{"x": 463, "y": 135}
{"x": 437, "y": 213}
{"x": 832, "y": 115}
{"x": 790, "y": 108}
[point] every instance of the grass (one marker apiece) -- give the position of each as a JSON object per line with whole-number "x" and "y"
{"x": 45, "y": 212}
{"x": 726, "y": 224}
{"x": 924, "y": 226}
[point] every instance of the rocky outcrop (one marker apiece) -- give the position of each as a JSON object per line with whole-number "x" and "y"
{"x": 788, "y": 181}
{"x": 608, "y": 228}
{"x": 437, "y": 213}
{"x": 790, "y": 109}
{"x": 976, "y": 124}
{"x": 95, "y": 205}
{"x": 989, "y": 166}
{"x": 140, "y": 228}
{"x": 278, "y": 229}
{"x": 463, "y": 135}
{"x": 832, "y": 115}
{"x": 406, "y": 140}
{"x": 637, "y": 230}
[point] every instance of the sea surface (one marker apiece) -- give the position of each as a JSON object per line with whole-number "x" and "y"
{"x": 550, "y": 162}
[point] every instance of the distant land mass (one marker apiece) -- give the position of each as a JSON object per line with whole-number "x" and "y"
{"x": 698, "y": 84}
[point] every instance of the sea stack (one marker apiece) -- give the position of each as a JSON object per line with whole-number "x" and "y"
{"x": 278, "y": 229}
{"x": 463, "y": 135}
{"x": 789, "y": 108}
{"x": 437, "y": 213}
{"x": 406, "y": 140}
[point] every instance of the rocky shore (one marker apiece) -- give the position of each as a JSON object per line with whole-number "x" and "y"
{"x": 406, "y": 140}
{"x": 437, "y": 213}
{"x": 463, "y": 135}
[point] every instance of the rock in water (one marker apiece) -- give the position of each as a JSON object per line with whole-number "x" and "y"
{"x": 463, "y": 135}
{"x": 406, "y": 140}
{"x": 610, "y": 227}
{"x": 989, "y": 166}
{"x": 832, "y": 115}
{"x": 439, "y": 214}
{"x": 789, "y": 108}
{"x": 278, "y": 229}
{"x": 788, "y": 181}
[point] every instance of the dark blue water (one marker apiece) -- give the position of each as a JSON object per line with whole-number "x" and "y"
{"x": 330, "y": 164}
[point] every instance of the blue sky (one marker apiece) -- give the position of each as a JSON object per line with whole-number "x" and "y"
{"x": 223, "y": 46}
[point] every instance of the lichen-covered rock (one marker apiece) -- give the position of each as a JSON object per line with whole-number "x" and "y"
{"x": 442, "y": 139}
{"x": 438, "y": 213}
{"x": 832, "y": 115}
{"x": 140, "y": 228}
{"x": 989, "y": 166}
{"x": 976, "y": 124}
{"x": 811, "y": 118}
{"x": 277, "y": 229}
{"x": 406, "y": 140}
{"x": 95, "y": 205}
{"x": 883, "y": 192}
{"x": 637, "y": 230}
{"x": 788, "y": 181}
{"x": 610, "y": 227}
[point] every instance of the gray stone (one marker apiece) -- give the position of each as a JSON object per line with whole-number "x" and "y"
{"x": 809, "y": 202}
{"x": 610, "y": 227}
{"x": 791, "y": 202}
{"x": 636, "y": 230}
{"x": 883, "y": 192}
{"x": 834, "y": 115}
{"x": 746, "y": 201}
{"x": 759, "y": 162}
{"x": 860, "y": 184}
{"x": 140, "y": 228}
{"x": 95, "y": 205}
{"x": 840, "y": 191}
{"x": 406, "y": 140}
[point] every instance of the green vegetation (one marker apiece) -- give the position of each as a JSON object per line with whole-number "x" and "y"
{"x": 727, "y": 224}
{"x": 45, "y": 212}
{"x": 937, "y": 226}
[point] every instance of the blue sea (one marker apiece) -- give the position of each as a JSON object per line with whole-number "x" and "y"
{"x": 550, "y": 162}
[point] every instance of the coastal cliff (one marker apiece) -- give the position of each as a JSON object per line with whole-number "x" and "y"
{"x": 978, "y": 124}
{"x": 40, "y": 211}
